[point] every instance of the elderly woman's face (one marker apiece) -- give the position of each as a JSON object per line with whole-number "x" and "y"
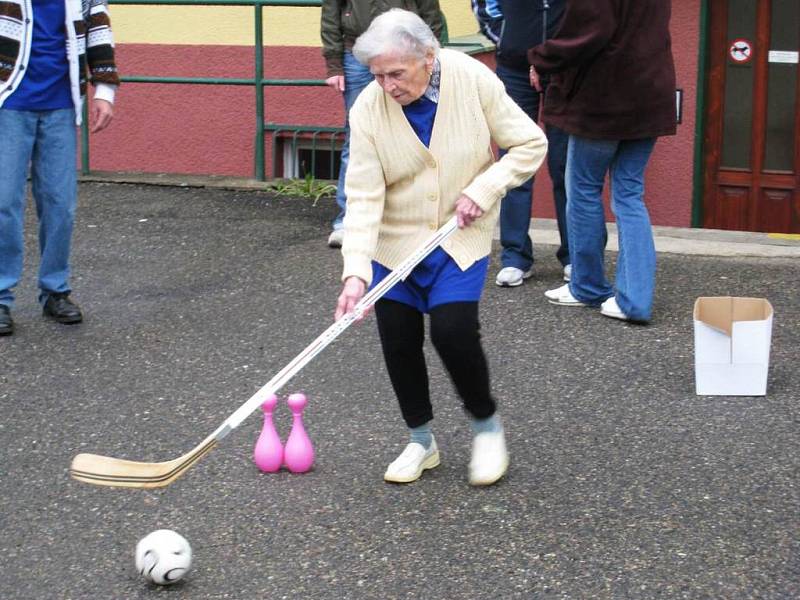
{"x": 404, "y": 78}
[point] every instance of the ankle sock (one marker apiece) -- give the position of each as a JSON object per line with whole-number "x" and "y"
{"x": 489, "y": 425}
{"x": 422, "y": 435}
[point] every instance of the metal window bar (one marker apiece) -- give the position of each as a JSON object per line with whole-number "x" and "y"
{"x": 333, "y": 132}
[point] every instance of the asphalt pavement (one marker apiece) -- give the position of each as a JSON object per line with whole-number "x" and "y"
{"x": 623, "y": 483}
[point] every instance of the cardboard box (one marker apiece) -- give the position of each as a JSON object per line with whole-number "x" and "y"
{"x": 732, "y": 338}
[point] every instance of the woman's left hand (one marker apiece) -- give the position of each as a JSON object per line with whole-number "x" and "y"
{"x": 467, "y": 211}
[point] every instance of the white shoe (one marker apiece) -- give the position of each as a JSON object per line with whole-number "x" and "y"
{"x": 610, "y": 308}
{"x": 489, "y": 458}
{"x": 335, "y": 238}
{"x": 412, "y": 462}
{"x": 512, "y": 276}
{"x": 562, "y": 296}
{"x": 567, "y": 272}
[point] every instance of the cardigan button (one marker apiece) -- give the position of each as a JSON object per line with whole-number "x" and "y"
{"x": 432, "y": 164}
{"x": 432, "y": 226}
{"x": 432, "y": 197}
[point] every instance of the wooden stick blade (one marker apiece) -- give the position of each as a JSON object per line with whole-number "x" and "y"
{"x": 117, "y": 472}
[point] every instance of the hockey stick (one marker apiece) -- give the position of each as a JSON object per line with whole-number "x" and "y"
{"x": 105, "y": 470}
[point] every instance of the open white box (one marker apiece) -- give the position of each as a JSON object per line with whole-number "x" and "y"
{"x": 732, "y": 338}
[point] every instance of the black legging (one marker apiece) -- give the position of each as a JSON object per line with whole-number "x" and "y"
{"x": 456, "y": 337}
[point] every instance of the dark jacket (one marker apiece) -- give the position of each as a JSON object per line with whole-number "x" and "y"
{"x": 516, "y": 25}
{"x": 342, "y": 21}
{"x": 611, "y": 68}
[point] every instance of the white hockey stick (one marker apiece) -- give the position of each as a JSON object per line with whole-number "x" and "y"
{"x": 106, "y": 470}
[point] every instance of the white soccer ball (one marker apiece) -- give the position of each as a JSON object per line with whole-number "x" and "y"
{"x": 163, "y": 557}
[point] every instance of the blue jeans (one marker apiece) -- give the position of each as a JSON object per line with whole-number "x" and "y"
{"x": 558, "y": 141}
{"x": 356, "y": 78}
{"x": 515, "y": 209}
{"x": 587, "y": 164}
{"x": 45, "y": 142}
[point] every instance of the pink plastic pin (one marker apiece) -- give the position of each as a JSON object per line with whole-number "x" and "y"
{"x": 268, "y": 453}
{"x": 299, "y": 453}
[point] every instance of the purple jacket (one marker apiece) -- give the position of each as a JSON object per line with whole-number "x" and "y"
{"x": 613, "y": 77}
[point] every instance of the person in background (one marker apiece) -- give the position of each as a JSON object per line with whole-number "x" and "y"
{"x": 421, "y": 150}
{"x": 342, "y": 21}
{"x": 43, "y": 69}
{"x": 514, "y": 27}
{"x": 612, "y": 89}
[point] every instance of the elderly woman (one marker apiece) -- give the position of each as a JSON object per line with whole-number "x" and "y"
{"x": 419, "y": 153}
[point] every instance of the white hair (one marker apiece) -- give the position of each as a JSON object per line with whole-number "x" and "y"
{"x": 396, "y": 31}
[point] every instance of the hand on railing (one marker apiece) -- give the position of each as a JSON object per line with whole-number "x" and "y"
{"x": 336, "y": 82}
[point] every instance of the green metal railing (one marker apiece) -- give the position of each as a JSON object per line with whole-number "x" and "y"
{"x": 257, "y": 80}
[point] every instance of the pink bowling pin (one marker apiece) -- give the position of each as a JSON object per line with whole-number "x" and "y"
{"x": 268, "y": 453}
{"x": 299, "y": 454}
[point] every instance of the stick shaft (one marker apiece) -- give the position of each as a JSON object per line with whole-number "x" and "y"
{"x": 332, "y": 332}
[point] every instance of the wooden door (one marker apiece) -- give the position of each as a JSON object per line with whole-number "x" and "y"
{"x": 752, "y": 136}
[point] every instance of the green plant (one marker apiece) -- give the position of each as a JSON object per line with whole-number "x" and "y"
{"x": 308, "y": 187}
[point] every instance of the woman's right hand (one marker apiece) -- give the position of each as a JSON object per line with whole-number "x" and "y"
{"x": 352, "y": 291}
{"x": 336, "y": 82}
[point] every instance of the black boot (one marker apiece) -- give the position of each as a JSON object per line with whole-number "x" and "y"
{"x": 60, "y": 308}
{"x": 6, "y": 322}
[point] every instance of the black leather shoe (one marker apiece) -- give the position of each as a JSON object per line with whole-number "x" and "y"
{"x": 60, "y": 308}
{"x": 6, "y": 322}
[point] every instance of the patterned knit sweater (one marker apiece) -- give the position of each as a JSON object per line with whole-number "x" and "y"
{"x": 89, "y": 41}
{"x": 399, "y": 192}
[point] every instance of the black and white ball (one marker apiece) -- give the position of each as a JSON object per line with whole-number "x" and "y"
{"x": 163, "y": 556}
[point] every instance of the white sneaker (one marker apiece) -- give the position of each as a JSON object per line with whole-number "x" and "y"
{"x": 512, "y": 276}
{"x": 335, "y": 238}
{"x": 412, "y": 462}
{"x": 567, "y": 272}
{"x": 562, "y": 296}
{"x": 489, "y": 458}
{"x": 610, "y": 308}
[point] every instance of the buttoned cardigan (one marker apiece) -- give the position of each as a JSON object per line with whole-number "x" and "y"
{"x": 399, "y": 192}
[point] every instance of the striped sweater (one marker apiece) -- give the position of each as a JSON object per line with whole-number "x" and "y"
{"x": 399, "y": 192}
{"x": 89, "y": 43}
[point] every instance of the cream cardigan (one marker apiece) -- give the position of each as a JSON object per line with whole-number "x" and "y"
{"x": 399, "y": 192}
